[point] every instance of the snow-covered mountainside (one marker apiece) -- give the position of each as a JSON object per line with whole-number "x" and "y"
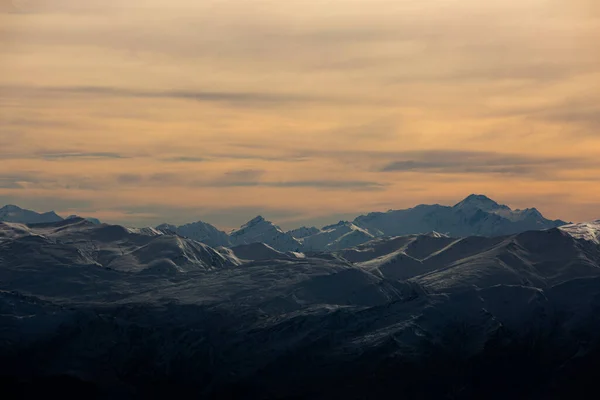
{"x": 334, "y": 237}
{"x": 261, "y": 251}
{"x": 144, "y": 313}
{"x": 260, "y": 230}
{"x": 475, "y": 215}
{"x": 586, "y": 230}
{"x": 79, "y": 243}
{"x": 13, "y": 213}
{"x": 200, "y": 231}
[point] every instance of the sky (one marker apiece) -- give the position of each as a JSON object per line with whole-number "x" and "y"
{"x": 304, "y": 111}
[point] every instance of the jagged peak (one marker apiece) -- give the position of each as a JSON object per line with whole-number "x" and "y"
{"x": 256, "y": 220}
{"x": 533, "y": 212}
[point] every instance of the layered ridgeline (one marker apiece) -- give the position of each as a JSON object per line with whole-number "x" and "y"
{"x": 12, "y": 213}
{"x": 145, "y": 312}
{"x": 476, "y": 215}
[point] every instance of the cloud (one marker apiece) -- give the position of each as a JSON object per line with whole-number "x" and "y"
{"x": 35, "y": 123}
{"x": 251, "y": 178}
{"x": 10, "y": 183}
{"x": 328, "y": 184}
{"x": 129, "y": 179}
{"x": 380, "y": 129}
{"x": 478, "y": 162}
{"x": 299, "y": 97}
{"x": 18, "y": 180}
{"x": 183, "y": 159}
{"x": 66, "y": 155}
{"x": 163, "y": 178}
{"x": 285, "y": 157}
{"x": 324, "y": 185}
{"x": 241, "y": 99}
{"x": 246, "y": 174}
{"x": 581, "y": 115}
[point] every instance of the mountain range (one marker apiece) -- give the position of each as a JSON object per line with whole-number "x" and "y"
{"x": 117, "y": 312}
{"x": 476, "y": 215}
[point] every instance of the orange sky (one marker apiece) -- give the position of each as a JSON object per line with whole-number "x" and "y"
{"x": 305, "y": 111}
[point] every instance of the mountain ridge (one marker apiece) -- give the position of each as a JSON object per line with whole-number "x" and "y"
{"x": 71, "y": 290}
{"x": 476, "y": 214}
{"x": 13, "y": 213}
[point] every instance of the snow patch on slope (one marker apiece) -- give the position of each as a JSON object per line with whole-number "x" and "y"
{"x": 259, "y": 230}
{"x": 589, "y": 231}
{"x": 342, "y": 235}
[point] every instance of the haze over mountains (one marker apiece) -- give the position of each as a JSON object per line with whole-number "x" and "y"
{"x": 476, "y": 215}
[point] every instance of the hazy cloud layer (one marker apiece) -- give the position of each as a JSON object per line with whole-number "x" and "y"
{"x": 482, "y": 162}
{"x": 231, "y": 98}
{"x": 299, "y": 110}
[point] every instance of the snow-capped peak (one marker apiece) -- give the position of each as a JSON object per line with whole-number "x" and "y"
{"x": 337, "y": 236}
{"x": 255, "y": 221}
{"x": 261, "y": 230}
{"x": 479, "y": 202}
{"x": 258, "y": 221}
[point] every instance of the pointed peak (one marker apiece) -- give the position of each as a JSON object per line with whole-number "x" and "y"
{"x": 532, "y": 212}
{"x": 479, "y": 201}
{"x": 259, "y": 220}
{"x": 256, "y": 220}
